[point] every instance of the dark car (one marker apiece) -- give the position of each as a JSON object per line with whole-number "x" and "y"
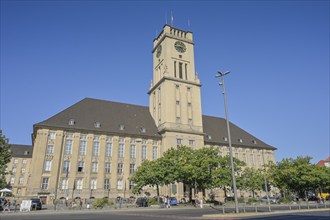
{"x": 36, "y": 204}
{"x": 314, "y": 199}
{"x": 141, "y": 202}
{"x": 229, "y": 198}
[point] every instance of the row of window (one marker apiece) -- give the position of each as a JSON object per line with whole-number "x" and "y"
{"x": 179, "y": 141}
{"x": 108, "y": 149}
{"x": 20, "y": 180}
{"x": 79, "y": 182}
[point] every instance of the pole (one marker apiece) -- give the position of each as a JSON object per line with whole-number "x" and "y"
{"x": 266, "y": 187}
{"x": 229, "y": 138}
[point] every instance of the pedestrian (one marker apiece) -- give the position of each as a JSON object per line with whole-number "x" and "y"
{"x": 80, "y": 204}
{"x": 168, "y": 202}
{"x": 7, "y": 205}
{"x": 165, "y": 201}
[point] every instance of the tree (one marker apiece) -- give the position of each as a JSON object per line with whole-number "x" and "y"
{"x": 5, "y": 156}
{"x": 298, "y": 176}
{"x": 252, "y": 180}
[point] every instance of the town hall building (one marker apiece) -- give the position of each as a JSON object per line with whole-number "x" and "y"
{"x": 92, "y": 148}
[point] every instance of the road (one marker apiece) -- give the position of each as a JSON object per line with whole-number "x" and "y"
{"x": 159, "y": 214}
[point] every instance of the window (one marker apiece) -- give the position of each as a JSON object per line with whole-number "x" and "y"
{"x": 244, "y": 158}
{"x": 24, "y": 161}
{"x": 177, "y": 102}
{"x": 52, "y": 135}
{"x": 93, "y": 183}
{"x": 12, "y": 180}
{"x": 79, "y": 183}
{"x": 252, "y": 159}
{"x": 178, "y": 119}
{"x": 121, "y": 151}
{"x": 22, "y": 170}
{"x": 175, "y": 69}
{"x": 81, "y": 166}
{"x": 13, "y": 170}
{"x": 109, "y": 139}
{"x": 106, "y": 184}
{"x": 64, "y": 184}
{"x": 154, "y": 142}
{"x": 107, "y": 167}
{"x": 120, "y": 168}
{"x": 259, "y": 160}
{"x": 180, "y": 70}
{"x": 96, "y": 148}
{"x": 15, "y": 161}
{"x": 191, "y": 142}
{"x": 108, "y": 150}
{"x": 21, "y": 180}
{"x": 144, "y": 152}
{"x": 132, "y": 152}
{"x": 236, "y": 155}
{"x": 240, "y": 140}
{"x": 133, "y": 141}
{"x": 68, "y": 147}
{"x": 44, "y": 183}
{"x": 119, "y": 184}
{"x": 186, "y": 71}
{"x": 66, "y": 166}
{"x": 131, "y": 185}
{"x": 94, "y": 167}
{"x": 97, "y": 124}
{"x": 178, "y": 141}
{"x": 132, "y": 168}
{"x": 82, "y": 148}
{"x": 225, "y": 138}
{"x": 154, "y": 152}
{"x": 48, "y": 165}
{"x": 254, "y": 141}
{"x": 83, "y": 136}
{"x": 121, "y": 127}
{"x": 50, "y": 149}
{"x": 121, "y": 140}
{"x": 71, "y": 122}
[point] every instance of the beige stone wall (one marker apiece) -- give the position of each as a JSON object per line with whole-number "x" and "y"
{"x": 57, "y": 174}
{"x": 19, "y": 179}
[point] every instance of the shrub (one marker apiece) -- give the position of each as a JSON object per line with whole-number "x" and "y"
{"x": 100, "y": 203}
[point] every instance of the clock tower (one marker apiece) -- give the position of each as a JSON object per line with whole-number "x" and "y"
{"x": 175, "y": 100}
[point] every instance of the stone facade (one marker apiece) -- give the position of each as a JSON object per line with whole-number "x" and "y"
{"x": 90, "y": 149}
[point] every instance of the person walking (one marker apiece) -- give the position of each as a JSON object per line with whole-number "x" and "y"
{"x": 14, "y": 204}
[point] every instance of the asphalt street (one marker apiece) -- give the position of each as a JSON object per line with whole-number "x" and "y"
{"x": 156, "y": 213}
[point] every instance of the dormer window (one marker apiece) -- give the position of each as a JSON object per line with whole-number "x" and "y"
{"x": 97, "y": 124}
{"x": 209, "y": 137}
{"x": 225, "y": 138}
{"x": 240, "y": 140}
{"x": 143, "y": 130}
{"x": 121, "y": 127}
{"x": 254, "y": 141}
{"x": 26, "y": 152}
{"x": 71, "y": 122}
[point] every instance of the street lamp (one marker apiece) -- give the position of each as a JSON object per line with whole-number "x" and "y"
{"x": 222, "y": 84}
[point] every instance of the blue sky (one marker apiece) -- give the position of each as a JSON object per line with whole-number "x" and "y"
{"x": 55, "y": 53}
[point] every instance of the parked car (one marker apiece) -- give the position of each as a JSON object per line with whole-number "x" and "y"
{"x": 272, "y": 199}
{"x": 229, "y": 198}
{"x": 36, "y": 204}
{"x": 173, "y": 201}
{"x": 141, "y": 202}
{"x": 314, "y": 199}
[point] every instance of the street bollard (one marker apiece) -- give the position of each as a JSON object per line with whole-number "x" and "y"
{"x": 223, "y": 209}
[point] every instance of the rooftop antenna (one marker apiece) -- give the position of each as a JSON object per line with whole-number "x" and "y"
{"x": 172, "y": 19}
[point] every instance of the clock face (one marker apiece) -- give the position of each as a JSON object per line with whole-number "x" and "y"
{"x": 159, "y": 51}
{"x": 180, "y": 47}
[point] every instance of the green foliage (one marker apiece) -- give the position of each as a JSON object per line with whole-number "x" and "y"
{"x": 285, "y": 200}
{"x": 299, "y": 176}
{"x": 5, "y": 156}
{"x": 252, "y": 180}
{"x": 100, "y": 203}
{"x": 253, "y": 200}
{"x": 152, "y": 201}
